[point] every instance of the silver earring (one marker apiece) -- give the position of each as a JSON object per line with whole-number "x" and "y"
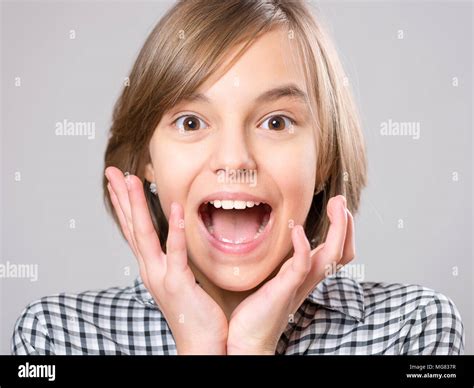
{"x": 153, "y": 188}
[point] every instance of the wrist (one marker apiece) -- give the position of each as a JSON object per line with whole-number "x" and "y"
{"x": 201, "y": 349}
{"x": 233, "y": 349}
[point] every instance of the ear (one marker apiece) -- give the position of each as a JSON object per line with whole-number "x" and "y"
{"x": 149, "y": 172}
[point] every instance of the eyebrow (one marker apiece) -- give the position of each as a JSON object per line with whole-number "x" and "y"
{"x": 288, "y": 90}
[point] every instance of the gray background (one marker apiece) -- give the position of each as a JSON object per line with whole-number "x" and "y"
{"x": 406, "y": 80}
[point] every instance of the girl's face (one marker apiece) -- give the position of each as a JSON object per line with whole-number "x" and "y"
{"x": 241, "y": 141}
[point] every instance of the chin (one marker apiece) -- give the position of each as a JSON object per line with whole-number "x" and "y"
{"x": 239, "y": 276}
{"x": 241, "y": 282}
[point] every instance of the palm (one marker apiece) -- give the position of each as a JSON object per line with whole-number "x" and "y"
{"x": 258, "y": 307}
{"x": 209, "y": 311}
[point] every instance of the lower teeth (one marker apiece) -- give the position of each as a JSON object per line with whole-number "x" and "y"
{"x": 261, "y": 228}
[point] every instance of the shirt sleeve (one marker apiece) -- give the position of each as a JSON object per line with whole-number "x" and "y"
{"x": 30, "y": 334}
{"x": 437, "y": 329}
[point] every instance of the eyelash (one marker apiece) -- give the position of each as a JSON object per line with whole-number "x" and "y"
{"x": 292, "y": 121}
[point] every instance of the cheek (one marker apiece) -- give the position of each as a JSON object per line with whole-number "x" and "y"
{"x": 175, "y": 168}
{"x": 293, "y": 169}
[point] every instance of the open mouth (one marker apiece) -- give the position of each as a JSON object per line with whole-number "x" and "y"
{"x": 236, "y": 222}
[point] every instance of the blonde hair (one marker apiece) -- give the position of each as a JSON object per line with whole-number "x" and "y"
{"x": 189, "y": 44}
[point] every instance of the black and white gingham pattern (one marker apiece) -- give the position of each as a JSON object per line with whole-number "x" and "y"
{"x": 341, "y": 316}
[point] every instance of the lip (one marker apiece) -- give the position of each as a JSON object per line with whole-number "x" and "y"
{"x": 229, "y": 248}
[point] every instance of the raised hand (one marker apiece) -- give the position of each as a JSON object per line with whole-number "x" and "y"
{"x": 257, "y": 323}
{"x": 198, "y": 324}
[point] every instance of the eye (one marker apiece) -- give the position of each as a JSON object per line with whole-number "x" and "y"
{"x": 278, "y": 123}
{"x": 188, "y": 123}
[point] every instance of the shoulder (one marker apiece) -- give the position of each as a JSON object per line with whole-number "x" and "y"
{"x": 428, "y": 321}
{"x": 346, "y": 316}
{"x": 59, "y": 323}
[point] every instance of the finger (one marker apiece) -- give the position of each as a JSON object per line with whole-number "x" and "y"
{"x": 119, "y": 190}
{"x": 127, "y": 234}
{"x": 117, "y": 181}
{"x": 176, "y": 254}
{"x": 121, "y": 218}
{"x": 301, "y": 260}
{"x": 332, "y": 250}
{"x": 119, "y": 186}
{"x": 317, "y": 249}
{"x": 294, "y": 271}
{"x": 148, "y": 243}
{"x": 349, "y": 246}
{"x": 320, "y": 269}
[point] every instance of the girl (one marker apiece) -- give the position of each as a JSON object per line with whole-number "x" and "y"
{"x": 234, "y": 167}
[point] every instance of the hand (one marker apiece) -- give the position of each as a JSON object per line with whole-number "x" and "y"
{"x": 198, "y": 324}
{"x": 257, "y": 323}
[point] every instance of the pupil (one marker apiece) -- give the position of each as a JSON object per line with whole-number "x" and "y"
{"x": 276, "y": 123}
{"x": 191, "y": 123}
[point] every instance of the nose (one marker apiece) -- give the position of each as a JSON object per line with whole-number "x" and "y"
{"x": 232, "y": 151}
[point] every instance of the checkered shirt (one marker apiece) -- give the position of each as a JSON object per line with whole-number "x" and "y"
{"x": 340, "y": 316}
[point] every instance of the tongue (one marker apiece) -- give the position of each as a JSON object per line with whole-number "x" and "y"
{"x": 237, "y": 226}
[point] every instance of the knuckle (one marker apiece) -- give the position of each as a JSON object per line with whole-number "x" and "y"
{"x": 300, "y": 272}
{"x": 171, "y": 284}
{"x": 141, "y": 237}
{"x": 301, "y": 275}
{"x": 176, "y": 250}
{"x": 307, "y": 268}
{"x": 306, "y": 251}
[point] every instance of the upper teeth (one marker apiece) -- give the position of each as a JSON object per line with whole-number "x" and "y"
{"x": 230, "y": 204}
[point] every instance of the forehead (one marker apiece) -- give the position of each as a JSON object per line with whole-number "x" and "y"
{"x": 268, "y": 63}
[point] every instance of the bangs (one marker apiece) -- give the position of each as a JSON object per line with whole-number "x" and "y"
{"x": 197, "y": 52}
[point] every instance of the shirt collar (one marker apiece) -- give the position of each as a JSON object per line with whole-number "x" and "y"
{"x": 340, "y": 292}
{"x": 140, "y": 293}
{"x": 337, "y": 292}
